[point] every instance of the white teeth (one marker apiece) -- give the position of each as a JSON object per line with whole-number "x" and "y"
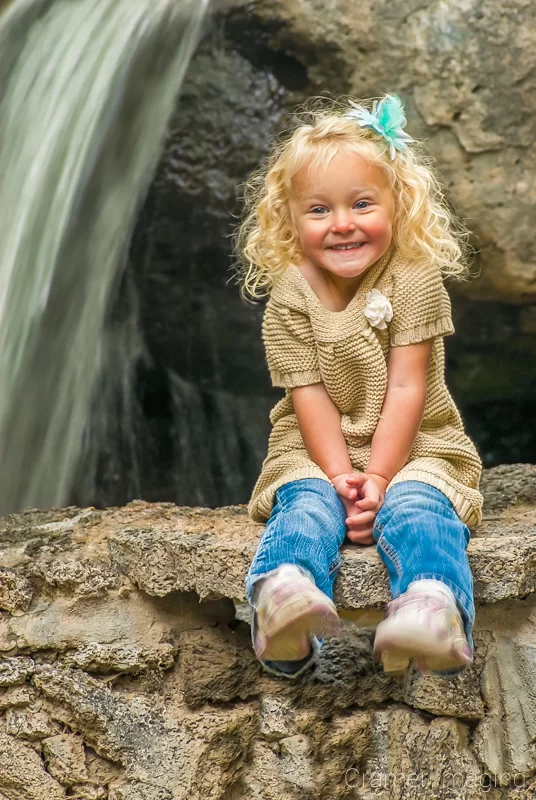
{"x": 347, "y": 246}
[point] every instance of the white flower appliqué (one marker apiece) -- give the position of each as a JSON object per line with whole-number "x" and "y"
{"x": 378, "y": 310}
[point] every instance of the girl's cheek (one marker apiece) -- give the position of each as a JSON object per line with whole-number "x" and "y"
{"x": 313, "y": 236}
{"x": 379, "y": 227}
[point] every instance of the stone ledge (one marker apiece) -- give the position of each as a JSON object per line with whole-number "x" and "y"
{"x": 209, "y": 552}
{"x": 163, "y": 548}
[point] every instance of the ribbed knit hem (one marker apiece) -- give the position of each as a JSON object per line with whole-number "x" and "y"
{"x": 439, "y": 327}
{"x": 260, "y": 507}
{"x": 294, "y": 379}
{"x": 469, "y": 512}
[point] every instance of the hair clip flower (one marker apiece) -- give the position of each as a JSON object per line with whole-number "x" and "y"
{"x": 387, "y": 118}
{"x": 378, "y": 309}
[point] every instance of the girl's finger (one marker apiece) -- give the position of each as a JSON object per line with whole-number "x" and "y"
{"x": 371, "y": 492}
{"x": 364, "y": 518}
{"x": 361, "y": 537}
{"x": 356, "y": 480}
{"x": 366, "y": 504}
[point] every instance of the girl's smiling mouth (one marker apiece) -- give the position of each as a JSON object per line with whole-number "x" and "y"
{"x": 348, "y": 246}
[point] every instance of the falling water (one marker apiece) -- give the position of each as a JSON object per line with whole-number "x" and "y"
{"x": 86, "y": 90}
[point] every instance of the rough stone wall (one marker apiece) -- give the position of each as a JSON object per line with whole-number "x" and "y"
{"x": 126, "y": 671}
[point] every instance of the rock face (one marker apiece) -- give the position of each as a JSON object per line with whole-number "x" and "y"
{"x": 467, "y": 74}
{"x": 200, "y": 399}
{"x": 126, "y": 669}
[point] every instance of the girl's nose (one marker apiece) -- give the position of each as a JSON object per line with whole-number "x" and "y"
{"x": 343, "y": 223}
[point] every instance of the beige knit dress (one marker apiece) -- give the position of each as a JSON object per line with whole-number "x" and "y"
{"x": 306, "y": 343}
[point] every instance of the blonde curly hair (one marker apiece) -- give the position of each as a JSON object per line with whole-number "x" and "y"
{"x": 424, "y": 231}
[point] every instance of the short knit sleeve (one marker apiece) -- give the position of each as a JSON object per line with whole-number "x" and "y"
{"x": 290, "y": 347}
{"x": 421, "y": 306}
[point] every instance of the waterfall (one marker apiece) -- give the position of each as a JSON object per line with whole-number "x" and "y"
{"x": 86, "y": 90}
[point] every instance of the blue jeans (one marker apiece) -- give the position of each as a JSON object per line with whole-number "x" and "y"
{"x": 417, "y": 532}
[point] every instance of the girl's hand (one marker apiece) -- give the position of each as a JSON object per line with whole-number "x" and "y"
{"x": 360, "y": 497}
{"x": 347, "y": 493}
{"x": 370, "y": 496}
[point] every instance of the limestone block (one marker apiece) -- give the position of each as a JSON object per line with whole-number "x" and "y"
{"x": 22, "y": 773}
{"x": 79, "y": 576}
{"x": 138, "y": 791}
{"x": 39, "y": 534}
{"x": 217, "y": 664}
{"x": 282, "y": 770}
{"x": 16, "y": 696}
{"x": 27, "y": 723}
{"x": 194, "y": 550}
{"x": 413, "y": 758}
{"x": 277, "y": 717}
{"x": 15, "y": 670}
{"x": 454, "y": 697}
{"x": 65, "y": 758}
{"x": 191, "y": 755}
{"x": 89, "y": 791}
{"x": 505, "y": 740}
{"x": 503, "y": 567}
{"x": 209, "y": 551}
{"x": 166, "y": 550}
{"x": 338, "y": 744}
{"x": 168, "y": 715}
{"x": 15, "y": 591}
{"x": 100, "y": 770}
{"x": 96, "y": 657}
{"x": 117, "y": 621}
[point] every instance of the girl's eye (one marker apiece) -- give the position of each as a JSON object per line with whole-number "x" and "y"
{"x": 361, "y": 204}
{"x": 318, "y": 209}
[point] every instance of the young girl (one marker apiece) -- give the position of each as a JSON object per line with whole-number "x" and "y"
{"x": 348, "y": 232}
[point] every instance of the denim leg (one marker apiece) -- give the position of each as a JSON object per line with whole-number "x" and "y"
{"x": 419, "y": 535}
{"x": 306, "y": 528}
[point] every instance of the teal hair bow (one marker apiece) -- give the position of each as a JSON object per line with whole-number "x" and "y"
{"x": 387, "y": 118}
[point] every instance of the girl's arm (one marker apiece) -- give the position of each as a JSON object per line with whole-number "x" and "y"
{"x": 319, "y": 421}
{"x": 402, "y": 410}
{"x": 395, "y": 433}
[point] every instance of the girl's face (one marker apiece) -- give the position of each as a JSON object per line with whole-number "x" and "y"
{"x": 344, "y": 216}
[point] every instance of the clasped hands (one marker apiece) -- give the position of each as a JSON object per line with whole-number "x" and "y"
{"x": 362, "y": 495}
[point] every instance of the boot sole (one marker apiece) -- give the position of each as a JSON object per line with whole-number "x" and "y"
{"x": 395, "y": 658}
{"x": 303, "y": 619}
